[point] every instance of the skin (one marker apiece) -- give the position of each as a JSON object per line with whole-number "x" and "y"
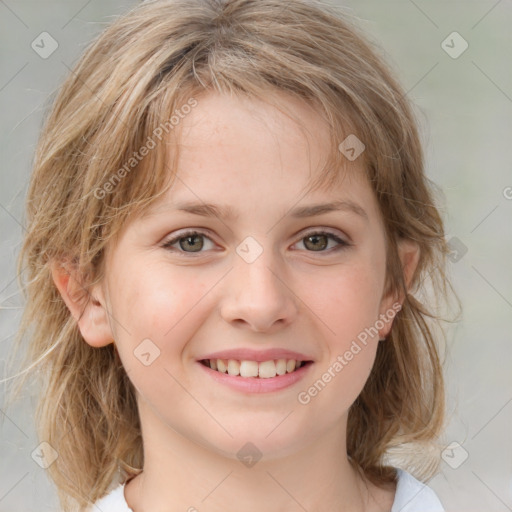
{"x": 248, "y": 155}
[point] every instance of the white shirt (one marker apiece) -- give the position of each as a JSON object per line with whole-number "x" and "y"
{"x": 411, "y": 496}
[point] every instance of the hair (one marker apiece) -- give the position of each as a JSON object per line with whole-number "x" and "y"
{"x": 138, "y": 73}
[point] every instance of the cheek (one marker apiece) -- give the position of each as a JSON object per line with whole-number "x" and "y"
{"x": 154, "y": 313}
{"x": 346, "y": 299}
{"x": 346, "y": 305}
{"x": 153, "y": 301}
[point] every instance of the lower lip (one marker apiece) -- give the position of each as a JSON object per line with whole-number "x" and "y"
{"x": 256, "y": 384}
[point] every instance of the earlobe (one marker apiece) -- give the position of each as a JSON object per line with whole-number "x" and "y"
{"x": 88, "y": 307}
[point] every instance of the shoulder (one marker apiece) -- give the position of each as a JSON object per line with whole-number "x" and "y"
{"x": 414, "y": 496}
{"x": 114, "y": 501}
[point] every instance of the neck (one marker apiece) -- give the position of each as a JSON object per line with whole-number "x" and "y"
{"x": 180, "y": 474}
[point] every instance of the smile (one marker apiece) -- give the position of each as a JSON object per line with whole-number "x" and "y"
{"x": 254, "y": 369}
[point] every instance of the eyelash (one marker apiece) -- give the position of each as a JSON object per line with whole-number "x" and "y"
{"x": 342, "y": 243}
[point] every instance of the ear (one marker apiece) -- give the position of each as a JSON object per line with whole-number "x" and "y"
{"x": 87, "y": 306}
{"x": 409, "y": 254}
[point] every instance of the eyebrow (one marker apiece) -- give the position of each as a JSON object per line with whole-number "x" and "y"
{"x": 313, "y": 210}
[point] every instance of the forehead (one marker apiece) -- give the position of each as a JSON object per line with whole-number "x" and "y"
{"x": 225, "y": 121}
{"x": 236, "y": 152}
{"x": 280, "y": 135}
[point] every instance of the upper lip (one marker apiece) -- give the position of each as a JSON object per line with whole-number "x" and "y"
{"x": 246, "y": 354}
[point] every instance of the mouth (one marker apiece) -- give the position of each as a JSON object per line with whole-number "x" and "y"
{"x": 246, "y": 369}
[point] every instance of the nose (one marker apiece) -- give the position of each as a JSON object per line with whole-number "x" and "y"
{"x": 257, "y": 297}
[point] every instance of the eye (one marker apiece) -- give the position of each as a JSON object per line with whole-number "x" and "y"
{"x": 193, "y": 240}
{"x": 317, "y": 241}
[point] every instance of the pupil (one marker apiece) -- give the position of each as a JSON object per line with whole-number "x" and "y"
{"x": 315, "y": 239}
{"x": 189, "y": 238}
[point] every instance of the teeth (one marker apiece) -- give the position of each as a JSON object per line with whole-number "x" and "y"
{"x": 248, "y": 369}
{"x": 281, "y": 366}
{"x": 267, "y": 369}
{"x": 263, "y": 370}
{"x": 233, "y": 367}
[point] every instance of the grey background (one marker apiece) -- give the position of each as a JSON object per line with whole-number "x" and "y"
{"x": 465, "y": 106}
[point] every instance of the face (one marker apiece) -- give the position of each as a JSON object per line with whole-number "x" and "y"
{"x": 261, "y": 279}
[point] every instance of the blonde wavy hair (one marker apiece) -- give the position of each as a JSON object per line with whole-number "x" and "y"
{"x": 134, "y": 76}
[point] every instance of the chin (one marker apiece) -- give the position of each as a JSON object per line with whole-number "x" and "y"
{"x": 261, "y": 440}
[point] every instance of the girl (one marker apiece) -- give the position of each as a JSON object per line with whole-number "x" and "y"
{"x": 229, "y": 240}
